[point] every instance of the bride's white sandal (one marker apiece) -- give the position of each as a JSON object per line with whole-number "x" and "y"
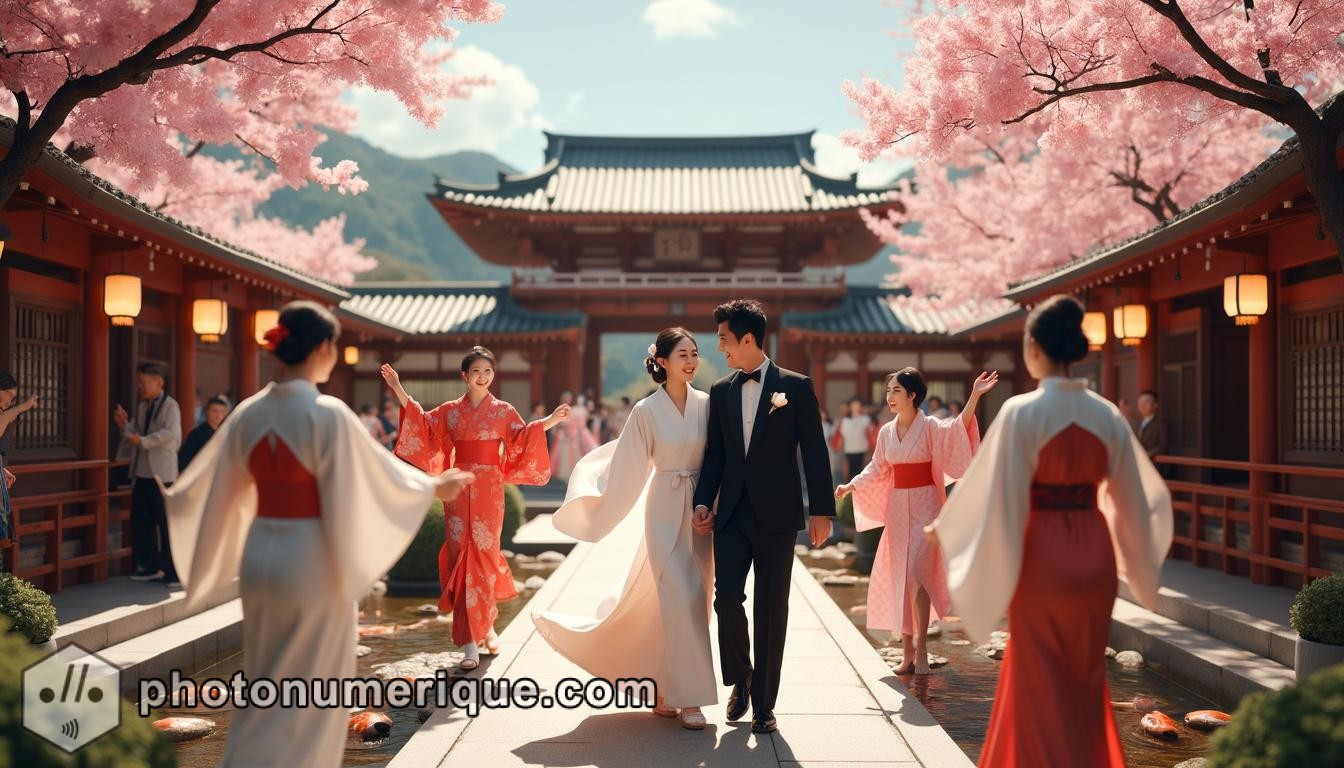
{"x": 692, "y": 719}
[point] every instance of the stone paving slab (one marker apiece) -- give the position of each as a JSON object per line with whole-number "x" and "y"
{"x": 97, "y": 616}
{"x": 839, "y": 702}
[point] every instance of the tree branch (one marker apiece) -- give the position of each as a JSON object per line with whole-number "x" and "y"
{"x": 1057, "y": 96}
{"x": 1172, "y": 12}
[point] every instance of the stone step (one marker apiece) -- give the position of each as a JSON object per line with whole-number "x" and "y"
{"x": 1211, "y": 666}
{"x": 187, "y": 645}
{"x": 539, "y": 535}
{"x": 1250, "y": 616}
{"x": 97, "y": 616}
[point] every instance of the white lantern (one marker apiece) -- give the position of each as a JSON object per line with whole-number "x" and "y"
{"x": 210, "y": 319}
{"x": 1246, "y": 297}
{"x": 1094, "y": 328}
{"x": 1131, "y": 324}
{"x": 121, "y": 299}
{"x": 352, "y": 356}
{"x": 263, "y": 321}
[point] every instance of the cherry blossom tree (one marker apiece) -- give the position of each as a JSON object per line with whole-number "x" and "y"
{"x": 137, "y": 88}
{"x": 1064, "y": 70}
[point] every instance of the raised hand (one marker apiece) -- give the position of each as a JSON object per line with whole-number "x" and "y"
{"x": 393, "y": 380}
{"x": 985, "y": 382}
{"x": 451, "y": 483}
{"x": 29, "y": 404}
{"x": 120, "y": 417}
{"x": 560, "y": 413}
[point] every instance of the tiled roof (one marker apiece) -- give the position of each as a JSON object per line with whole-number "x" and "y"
{"x": 751, "y": 174}
{"x": 1239, "y": 195}
{"x": 112, "y": 199}
{"x": 889, "y": 311}
{"x": 452, "y": 308}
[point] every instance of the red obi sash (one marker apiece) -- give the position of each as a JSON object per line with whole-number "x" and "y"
{"x": 1080, "y": 497}
{"x": 285, "y": 489}
{"x": 484, "y": 452}
{"x": 907, "y": 476}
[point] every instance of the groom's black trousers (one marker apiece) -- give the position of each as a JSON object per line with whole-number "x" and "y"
{"x": 742, "y": 544}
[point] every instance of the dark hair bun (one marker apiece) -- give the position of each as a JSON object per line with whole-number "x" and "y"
{"x": 1057, "y": 327}
{"x": 306, "y": 325}
{"x": 667, "y": 340}
{"x": 479, "y": 353}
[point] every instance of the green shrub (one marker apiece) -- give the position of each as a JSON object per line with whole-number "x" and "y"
{"x": 1318, "y": 611}
{"x": 514, "y": 510}
{"x": 1299, "y": 725}
{"x": 420, "y": 561}
{"x": 29, "y": 609}
{"x": 134, "y": 744}
{"x": 844, "y": 511}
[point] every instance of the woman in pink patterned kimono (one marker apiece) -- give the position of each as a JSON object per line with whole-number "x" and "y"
{"x": 573, "y": 440}
{"x": 485, "y": 436}
{"x": 903, "y": 489}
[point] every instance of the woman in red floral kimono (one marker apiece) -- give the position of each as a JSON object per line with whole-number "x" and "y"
{"x": 485, "y": 436}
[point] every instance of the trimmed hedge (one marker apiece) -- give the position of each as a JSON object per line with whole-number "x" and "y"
{"x": 1298, "y": 726}
{"x": 29, "y": 609}
{"x": 420, "y": 561}
{"x": 135, "y": 744}
{"x": 514, "y": 509}
{"x": 1318, "y": 611}
{"x": 844, "y": 511}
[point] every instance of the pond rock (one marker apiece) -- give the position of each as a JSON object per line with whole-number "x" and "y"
{"x": 178, "y": 729}
{"x": 839, "y": 580}
{"x": 990, "y": 651}
{"x": 858, "y": 610}
{"x": 521, "y": 559}
{"x": 507, "y": 553}
{"x": 936, "y": 630}
{"x": 801, "y": 549}
{"x": 362, "y": 651}
{"x": 550, "y": 556}
{"x": 425, "y": 609}
{"x": 379, "y": 588}
{"x": 518, "y": 586}
{"x": 534, "y": 582}
{"x": 889, "y": 652}
{"x": 418, "y": 665}
{"x": 1129, "y": 659}
{"x": 846, "y": 547}
{"x": 1194, "y": 762}
{"x": 1110, "y": 652}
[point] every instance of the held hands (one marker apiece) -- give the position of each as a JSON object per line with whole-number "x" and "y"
{"x": 393, "y": 380}
{"x": 451, "y": 483}
{"x": 843, "y": 491}
{"x": 819, "y": 530}
{"x": 702, "y": 521}
{"x": 560, "y": 413}
{"x": 119, "y": 416}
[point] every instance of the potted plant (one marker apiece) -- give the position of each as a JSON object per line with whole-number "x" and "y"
{"x": 1317, "y": 616}
{"x": 29, "y": 609}
{"x": 1302, "y": 724}
{"x": 134, "y": 743}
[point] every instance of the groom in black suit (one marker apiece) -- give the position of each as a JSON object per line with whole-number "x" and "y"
{"x": 759, "y": 417}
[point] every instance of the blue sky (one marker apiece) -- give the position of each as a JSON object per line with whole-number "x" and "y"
{"x": 655, "y": 67}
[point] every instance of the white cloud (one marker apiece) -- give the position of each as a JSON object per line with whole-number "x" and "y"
{"x": 836, "y": 159}
{"x": 687, "y": 18}
{"x": 493, "y": 114}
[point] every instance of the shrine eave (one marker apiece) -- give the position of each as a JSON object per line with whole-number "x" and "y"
{"x": 879, "y": 313}
{"x": 470, "y": 311}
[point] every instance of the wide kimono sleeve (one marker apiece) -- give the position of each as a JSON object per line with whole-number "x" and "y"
{"x": 210, "y": 508}
{"x": 607, "y": 483}
{"x": 422, "y": 437}
{"x": 982, "y": 525}
{"x": 372, "y": 503}
{"x": 526, "y": 460}
{"x": 873, "y": 486}
{"x": 953, "y": 442}
{"x": 1137, "y": 504}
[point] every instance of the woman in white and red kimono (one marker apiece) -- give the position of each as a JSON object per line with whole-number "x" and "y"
{"x": 486, "y": 436}
{"x": 902, "y": 489}
{"x": 293, "y": 498}
{"x": 573, "y": 439}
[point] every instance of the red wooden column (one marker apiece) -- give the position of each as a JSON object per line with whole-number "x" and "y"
{"x": 1263, "y": 365}
{"x": 536, "y": 361}
{"x": 184, "y": 358}
{"x": 1110, "y": 386}
{"x": 97, "y": 405}
{"x": 246, "y": 347}
{"x": 1146, "y": 354}
{"x": 592, "y": 361}
{"x": 816, "y": 363}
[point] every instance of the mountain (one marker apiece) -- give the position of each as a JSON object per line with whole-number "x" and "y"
{"x": 402, "y": 229}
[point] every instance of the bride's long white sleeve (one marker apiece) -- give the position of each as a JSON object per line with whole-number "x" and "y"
{"x": 606, "y": 484}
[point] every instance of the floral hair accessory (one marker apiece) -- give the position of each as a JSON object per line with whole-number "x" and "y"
{"x": 274, "y": 336}
{"x": 653, "y": 352}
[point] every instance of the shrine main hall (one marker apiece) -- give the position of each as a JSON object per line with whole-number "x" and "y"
{"x": 632, "y": 235}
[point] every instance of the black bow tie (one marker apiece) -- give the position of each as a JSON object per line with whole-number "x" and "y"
{"x": 754, "y": 376}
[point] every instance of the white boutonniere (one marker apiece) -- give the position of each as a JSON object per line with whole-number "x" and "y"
{"x": 778, "y": 400}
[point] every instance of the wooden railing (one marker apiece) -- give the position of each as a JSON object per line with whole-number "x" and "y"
{"x": 1255, "y": 528}
{"x": 70, "y": 536}
{"x": 808, "y": 280}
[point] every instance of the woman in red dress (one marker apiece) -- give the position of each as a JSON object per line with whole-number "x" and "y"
{"x": 1058, "y": 505}
{"x": 485, "y": 436}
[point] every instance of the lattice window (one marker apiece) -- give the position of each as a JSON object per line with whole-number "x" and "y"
{"x": 431, "y": 392}
{"x": 43, "y": 355}
{"x": 1316, "y": 354}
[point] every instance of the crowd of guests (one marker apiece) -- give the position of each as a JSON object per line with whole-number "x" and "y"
{"x": 853, "y": 438}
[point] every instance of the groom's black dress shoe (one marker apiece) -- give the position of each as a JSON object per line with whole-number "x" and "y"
{"x": 738, "y": 700}
{"x": 763, "y": 722}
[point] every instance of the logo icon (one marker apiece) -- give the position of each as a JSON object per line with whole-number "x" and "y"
{"x": 71, "y": 697}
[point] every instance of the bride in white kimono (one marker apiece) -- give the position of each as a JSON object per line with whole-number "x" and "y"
{"x": 659, "y": 627}
{"x": 293, "y": 498}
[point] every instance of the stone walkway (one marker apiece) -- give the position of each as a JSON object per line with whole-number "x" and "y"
{"x": 839, "y": 702}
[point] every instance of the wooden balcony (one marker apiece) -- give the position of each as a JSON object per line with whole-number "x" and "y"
{"x": 69, "y": 537}
{"x": 1254, "y": 528}
{"x": 544, "y": 283}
